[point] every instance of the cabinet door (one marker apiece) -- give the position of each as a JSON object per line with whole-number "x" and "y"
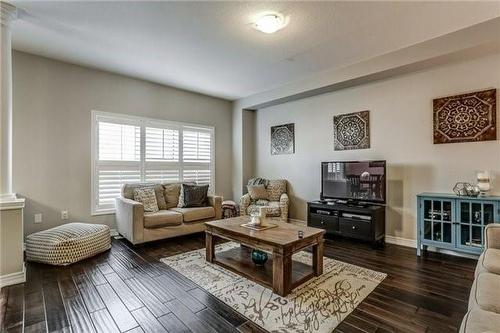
{"x": 437, "y": 221}
{"x": 473, "y": 216}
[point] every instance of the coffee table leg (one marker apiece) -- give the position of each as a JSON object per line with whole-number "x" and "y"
{"x": 282, "y": 274}
{"x": 209, "y": 245}
{"x": 318, "y": 258}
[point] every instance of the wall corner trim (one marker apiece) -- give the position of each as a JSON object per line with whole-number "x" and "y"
{"x": 13, "y": 278}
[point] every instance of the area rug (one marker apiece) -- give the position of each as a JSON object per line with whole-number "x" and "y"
{"x": 318, "y": 305}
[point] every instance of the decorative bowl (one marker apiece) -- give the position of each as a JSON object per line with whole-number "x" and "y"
{"x": 259, "y": 258}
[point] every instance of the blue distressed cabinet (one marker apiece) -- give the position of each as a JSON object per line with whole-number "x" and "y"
{"x": 455, "y": 223}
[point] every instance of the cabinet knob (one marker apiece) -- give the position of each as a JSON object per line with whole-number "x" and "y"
{"x": 353, "y": 227}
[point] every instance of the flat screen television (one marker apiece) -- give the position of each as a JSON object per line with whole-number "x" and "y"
{"x": 361, "y": 181}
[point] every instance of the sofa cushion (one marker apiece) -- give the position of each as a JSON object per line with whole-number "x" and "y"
{"x": 491, "y": 261}
{"x": 276, "y": 188}
{"x": 171, "y": 193}
{"x": 479, "y": 267}
{"x": 480, "y": 321}
{"x": 195, "y": 213}
{"x": 128, "y": 192}
{"x": 487, "y": 292}
{"x": 162, "y": 218}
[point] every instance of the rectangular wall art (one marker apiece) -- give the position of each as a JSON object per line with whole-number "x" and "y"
{"x": 283, "y": 139}
{"x": 351, "y": 131}
{"x": 466, "y": 117}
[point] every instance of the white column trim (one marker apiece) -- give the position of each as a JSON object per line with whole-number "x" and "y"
{"x": 8, "y": 13}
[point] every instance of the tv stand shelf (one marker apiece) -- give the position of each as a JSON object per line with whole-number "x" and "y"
{"x": 359, "y": 221}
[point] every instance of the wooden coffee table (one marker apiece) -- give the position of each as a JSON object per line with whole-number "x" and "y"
{"x": 280, "y": 273}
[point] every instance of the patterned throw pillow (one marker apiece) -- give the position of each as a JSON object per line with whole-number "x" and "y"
{"x": 257, "y": 192}
{"x": 147, "y": 197}
{"x": 193, "y": 196}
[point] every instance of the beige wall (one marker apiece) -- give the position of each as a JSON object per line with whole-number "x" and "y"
{"x": 401, "y": 133}
{"x": 52, "y": 118}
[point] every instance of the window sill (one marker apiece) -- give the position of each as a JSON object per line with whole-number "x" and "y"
{"x": 104, "y": 212}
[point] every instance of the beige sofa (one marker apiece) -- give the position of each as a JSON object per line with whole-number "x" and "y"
{"x": 139, "y": 227}
{"x": 484, "y": 299}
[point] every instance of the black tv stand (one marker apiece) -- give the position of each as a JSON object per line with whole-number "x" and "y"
{"x": 362, "y": 221}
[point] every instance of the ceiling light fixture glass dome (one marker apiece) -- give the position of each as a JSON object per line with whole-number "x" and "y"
{"x": 270, "y": 23}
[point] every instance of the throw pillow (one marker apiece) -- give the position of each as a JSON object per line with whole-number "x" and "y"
{"x": 193, "y": 196}
{"x": 147, "y": 197}
{"x": 172, "y": 193}
{"x": 257, "y": 192}
{"x": 160, "y": 197}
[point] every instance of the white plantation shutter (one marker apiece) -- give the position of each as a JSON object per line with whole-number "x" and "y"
{"x": 119, "y": 142}
{"x": 196, "y": 145}
{"x": 129, "y": 149}
{"x": 110, "y": 180}
{"x": 197, "y": 156}
{"x": 159, "y": 175}
{"x": 162, "y": 144}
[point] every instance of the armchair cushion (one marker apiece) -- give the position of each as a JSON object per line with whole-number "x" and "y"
{"x": 162, "y": 218}
{"x": 273, "y": 208}
{"x": 257, "y": 192}
{"x": 195, "y": 213}
{"x": 276, "y": 188}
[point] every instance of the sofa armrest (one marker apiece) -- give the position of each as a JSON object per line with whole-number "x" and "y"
{"x": 492, "y": 236}
{"x": 244, "y": 203}
{"x": 130, "y": 219}
{"x": 216, "y": 202}
{"x": 284, "y": 202}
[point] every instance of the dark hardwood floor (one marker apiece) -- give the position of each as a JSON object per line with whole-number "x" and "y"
{"x": 127, "y": 289}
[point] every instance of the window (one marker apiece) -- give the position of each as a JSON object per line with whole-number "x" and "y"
{"x": 130, "y": 149}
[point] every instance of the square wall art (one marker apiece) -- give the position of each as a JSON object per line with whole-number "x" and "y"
{"x": 465, "y": 118}
{"x": 283, "y": 139}
{"x": 351, "y": 131}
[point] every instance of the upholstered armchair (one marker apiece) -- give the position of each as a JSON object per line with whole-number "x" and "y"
{"x": 277, "y": 201}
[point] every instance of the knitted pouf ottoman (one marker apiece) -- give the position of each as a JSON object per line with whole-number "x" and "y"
{"x": 68, "y": 243}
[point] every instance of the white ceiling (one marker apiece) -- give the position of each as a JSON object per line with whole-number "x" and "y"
{"x": 211, "y": 47}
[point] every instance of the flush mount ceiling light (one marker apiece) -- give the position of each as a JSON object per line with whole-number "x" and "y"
{"x": 270, "y": 23}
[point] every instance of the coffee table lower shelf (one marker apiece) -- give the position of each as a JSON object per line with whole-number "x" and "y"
{"x": 239, "y": 260}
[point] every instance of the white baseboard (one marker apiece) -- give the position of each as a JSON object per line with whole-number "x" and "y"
{"x": 113, "y": 232}
{"x": 13, "y": 278}
{"x": 401, "y": 241}
{"x": 413, "y": 244}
